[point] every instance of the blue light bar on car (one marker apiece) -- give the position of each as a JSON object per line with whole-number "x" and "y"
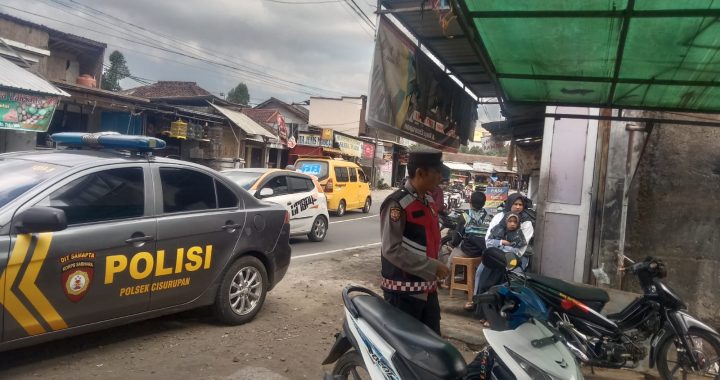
{"x": 108, "y": 140}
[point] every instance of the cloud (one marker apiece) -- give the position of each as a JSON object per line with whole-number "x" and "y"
{"x": 323, "y": 46}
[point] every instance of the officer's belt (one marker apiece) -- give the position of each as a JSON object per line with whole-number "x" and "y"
{"x": 407, "y": 286}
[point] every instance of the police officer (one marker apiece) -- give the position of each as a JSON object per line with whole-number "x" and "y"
{"x": 411, "y": 242}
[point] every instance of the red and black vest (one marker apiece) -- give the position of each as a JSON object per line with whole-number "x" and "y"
{"x": 421, "y": 236}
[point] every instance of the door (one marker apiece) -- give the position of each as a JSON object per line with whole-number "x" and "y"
{"x": 304, "y": 207}
{"x": 355, "y": 185}
{"x": 564, "y": 194}
{"x": 341, "y": 188}
{"x": 200, "y": 221}
{"x": 93, "y": 270}
{"x": 278, "y": 183}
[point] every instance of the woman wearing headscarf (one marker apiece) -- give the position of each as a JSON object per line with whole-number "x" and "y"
{"x": 516, "y": 204}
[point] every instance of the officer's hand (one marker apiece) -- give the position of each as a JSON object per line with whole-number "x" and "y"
{"x": 442, "y": 271}
{"x": 505, "y": 242}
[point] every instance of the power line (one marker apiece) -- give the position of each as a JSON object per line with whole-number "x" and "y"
{"x": 267, "y": 79}
{"x": 304, "y": 2}
{"x": 231, "y": 60}
{"x": 364, "y": 16}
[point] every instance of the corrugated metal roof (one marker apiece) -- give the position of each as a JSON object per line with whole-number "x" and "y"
{"x": 15, "y": 77}
{"x": 244, "y": 122}
{"x": 458, "y": 166}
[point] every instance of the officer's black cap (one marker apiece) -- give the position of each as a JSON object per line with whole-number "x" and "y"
{"x": 426, "y": 160}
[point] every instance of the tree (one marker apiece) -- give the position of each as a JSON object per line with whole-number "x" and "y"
{"x": 239, "y": 95}
{"x": 463, "y": 149}
{"x": 117, "y": 71}
{"x": 475, "y": 150}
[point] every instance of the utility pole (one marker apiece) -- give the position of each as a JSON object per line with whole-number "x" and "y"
{"x": 374, "y": 155}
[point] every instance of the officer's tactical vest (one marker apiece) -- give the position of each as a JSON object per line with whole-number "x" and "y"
{"x": 421, "y": 236}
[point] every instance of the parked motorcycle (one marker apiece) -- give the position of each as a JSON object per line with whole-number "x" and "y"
{"x": 378, "y": 341}
{"x": 678, "y": 341}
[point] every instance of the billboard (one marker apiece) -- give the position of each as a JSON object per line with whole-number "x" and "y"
{"x": 26, "y": 112}
{"x": 412, "y": 97}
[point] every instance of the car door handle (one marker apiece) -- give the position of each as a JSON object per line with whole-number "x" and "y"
{"x": 139, "y": 239}
{"x": 230, "y": 227}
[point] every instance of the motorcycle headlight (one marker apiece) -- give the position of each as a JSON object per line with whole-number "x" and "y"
{"x": 534, "y": 372}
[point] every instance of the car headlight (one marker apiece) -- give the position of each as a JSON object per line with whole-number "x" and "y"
{"x": 534, "y": 372}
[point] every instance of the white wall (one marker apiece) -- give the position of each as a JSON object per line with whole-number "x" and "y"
{"x": 342, "y": 115}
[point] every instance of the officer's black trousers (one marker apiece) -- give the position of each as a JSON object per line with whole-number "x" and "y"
{"x": 427, "y": 312}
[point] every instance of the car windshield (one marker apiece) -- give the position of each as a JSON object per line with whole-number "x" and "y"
{"x": 317, "y": 168}
{"x": 17, "y": 177}
{"x": 244, "y": 179}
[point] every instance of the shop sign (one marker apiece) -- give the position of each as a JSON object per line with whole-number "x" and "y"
{"x": 387, "y": 167}
{"x": 26, "y": 112}
{"x": 327, "y": 138}
{"x": 282, "y": 129}
{"x": 387, "y": 156}
{"x": 308, "y": 139}
{"x": 349, "y": 146}
{"x": 368, "y": 150}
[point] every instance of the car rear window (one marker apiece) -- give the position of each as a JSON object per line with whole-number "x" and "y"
{"x": 17, "y": 177}
{"x": 244, "y": 179}
{"x": 317, "y": 168}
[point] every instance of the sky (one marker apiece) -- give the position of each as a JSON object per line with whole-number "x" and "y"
{"x": 289, "y": 49}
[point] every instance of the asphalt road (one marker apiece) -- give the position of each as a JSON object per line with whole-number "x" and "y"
{"x": 352, "y": 231}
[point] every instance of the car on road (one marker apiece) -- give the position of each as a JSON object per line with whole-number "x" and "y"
{"x": 299, "y": 193}
{"x": 344, "y": 182}
{"x": 92, "y": 238}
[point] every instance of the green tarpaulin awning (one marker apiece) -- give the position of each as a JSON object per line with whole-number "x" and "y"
{"x": 649, "y": 54}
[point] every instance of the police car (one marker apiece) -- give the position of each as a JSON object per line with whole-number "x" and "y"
{"x": 91, "y": 238}
{"x": 299, "y": 193}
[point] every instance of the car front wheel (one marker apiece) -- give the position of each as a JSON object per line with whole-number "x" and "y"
{"x": 319, "y": 229}
{"x": 242, "y": 291}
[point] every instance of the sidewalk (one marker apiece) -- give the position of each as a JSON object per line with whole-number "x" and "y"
{"x": 458, "y": 324}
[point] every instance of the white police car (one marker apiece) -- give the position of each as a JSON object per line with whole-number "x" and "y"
{"x": 299, "y": 193}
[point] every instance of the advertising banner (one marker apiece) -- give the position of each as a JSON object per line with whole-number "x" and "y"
{"x": 326, "y": 139}
{"x": 495, "y": 196}
{"x": 26, "y": 112}
{"x": 282, "y": 129}
{"x": 368, "y": 150}
{"x": 308, "y": 139}
{"x": 411, "y": 97}
{"x": 349, "y": 146}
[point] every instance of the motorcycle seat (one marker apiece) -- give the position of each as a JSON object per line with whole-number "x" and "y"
{"x": 422, "y": 352}
{"x": 592, "y": 296}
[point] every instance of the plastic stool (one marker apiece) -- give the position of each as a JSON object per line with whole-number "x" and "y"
{"x": 471, "y": 264}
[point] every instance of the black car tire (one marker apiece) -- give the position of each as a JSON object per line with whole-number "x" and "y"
{"x": 255, "y": 271}
{"x": 341, "y": 208}
{"x": 316, "y": 233}
{"x": 366, "y": 207}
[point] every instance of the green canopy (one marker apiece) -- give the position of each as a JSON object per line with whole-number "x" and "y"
{"x": 650, "y": 54}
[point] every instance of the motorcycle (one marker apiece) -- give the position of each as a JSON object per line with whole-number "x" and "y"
{"x": 618, "y": 340}
{"x": 380, "y": 342}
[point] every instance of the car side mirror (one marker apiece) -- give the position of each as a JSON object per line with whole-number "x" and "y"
{"x": 39, "y": 219}
{"x": 266, "y": 192}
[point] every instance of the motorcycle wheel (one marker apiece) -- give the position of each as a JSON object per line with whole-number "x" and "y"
{"x": 673, "y": 364}
{"x": 351, "y": 366}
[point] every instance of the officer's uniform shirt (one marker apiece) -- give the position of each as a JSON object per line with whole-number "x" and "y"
{"x": 399, "y": 253}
